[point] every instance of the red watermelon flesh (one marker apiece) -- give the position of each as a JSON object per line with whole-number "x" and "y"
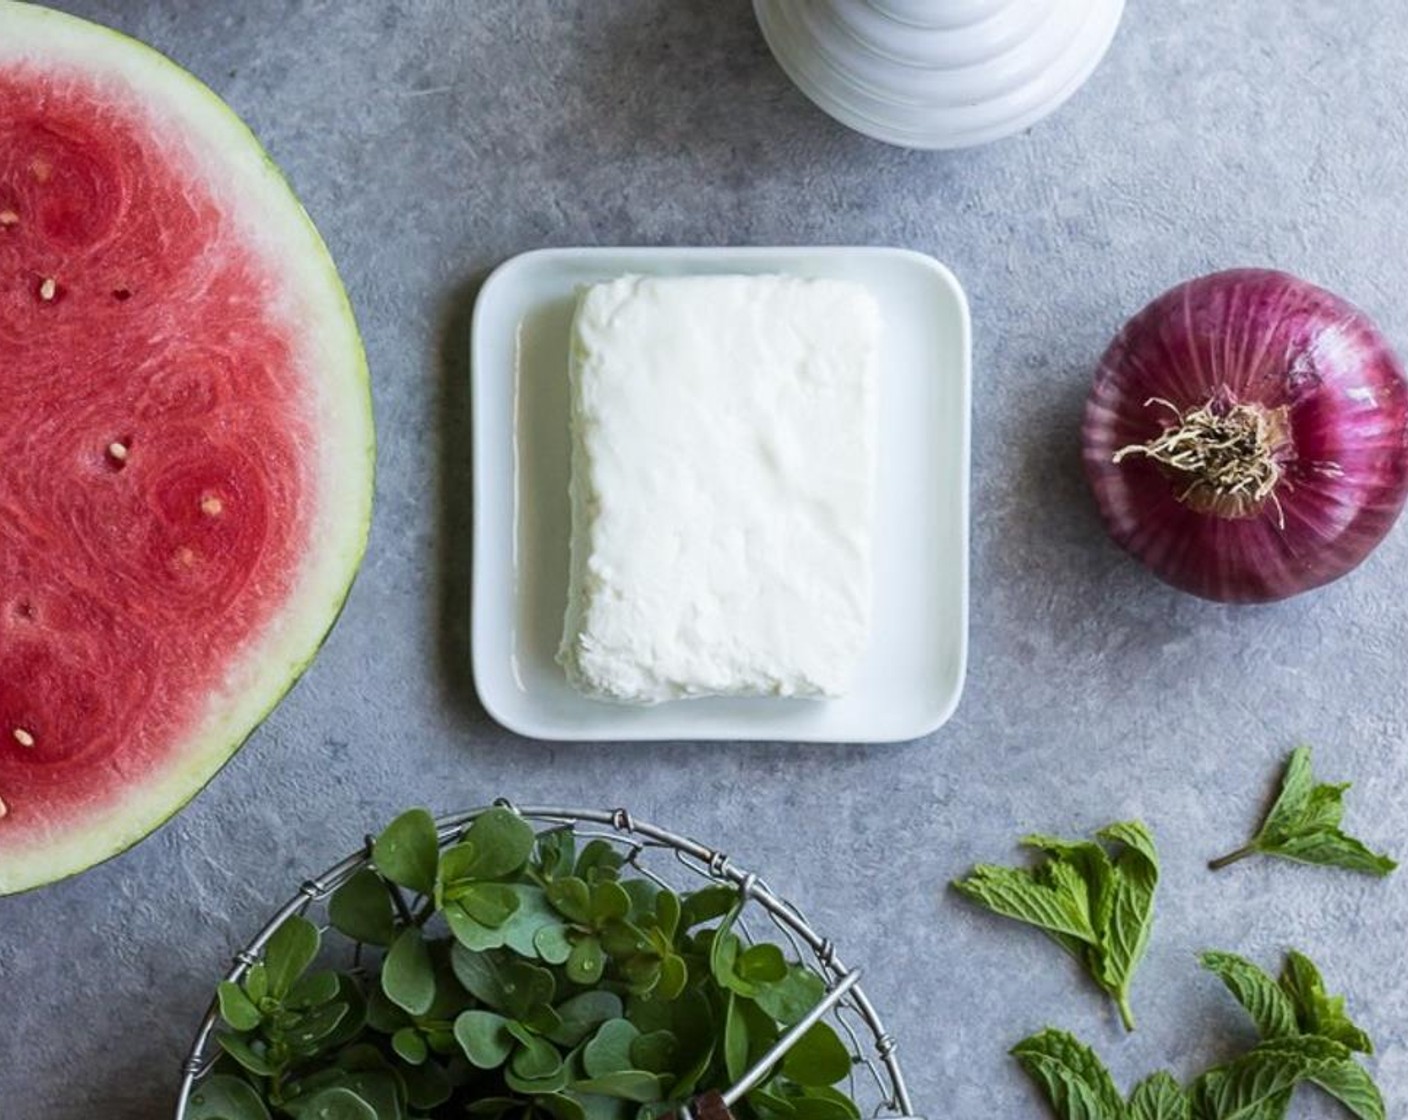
{"x": 166, "y": 443}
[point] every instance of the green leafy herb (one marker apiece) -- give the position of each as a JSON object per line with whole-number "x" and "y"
{"x": 1095, "y": 900}
{"x": 1317, "y": 1012}
{"x": 223, "y": 1097}
{"x": 408, "y": 852}
{"x": 1159, "y": 1097}
{"x": 1303, "y": 824}
{"x": 508, "y": 975}
{"x": 1306, "y": 1040}
{"x": 361, "y": 908}
{"x": 1265, "y": 1001}
{"x": 407, "y": 975}
{"x": 289, "y": 953}
{"x": 1079, "y": 1087}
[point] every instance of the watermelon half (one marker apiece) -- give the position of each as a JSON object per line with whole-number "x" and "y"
{"x": 186, "y": 445}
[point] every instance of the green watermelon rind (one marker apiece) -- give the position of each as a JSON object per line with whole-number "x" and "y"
{"x": 226, "y": 727}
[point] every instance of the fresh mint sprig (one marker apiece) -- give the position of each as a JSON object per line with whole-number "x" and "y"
{"x": 1094, "y": 899}
{"x": 1303, "y": 824}
{"x": 1307, "y": 1039}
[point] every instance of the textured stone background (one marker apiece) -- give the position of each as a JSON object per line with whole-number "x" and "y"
{"x": 431, "y": 139}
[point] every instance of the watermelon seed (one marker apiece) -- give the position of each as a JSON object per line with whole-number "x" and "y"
{"x": 122, "y": 294}
{"x": 48, "y": 289}
{"x": 23, "y": 737}
{"x": 3, "y": 808}
{"x": 9, "y": 218}
{"x": 212, "y": 506}
{"x": 118, "y": 451}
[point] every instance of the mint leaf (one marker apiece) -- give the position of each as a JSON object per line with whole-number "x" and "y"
{"x": 1246, "y": 1088}
{"x": 1159, "y": 1097}
{"x": 1332, "y": 849}
{"x": 1317, "y": 1012}
{"x": 1266, "y": 1002}
{"x": 1303, "y": 825}
{"x": 1076, "y": 1082}
{"x": 1056, "y": 902}
{"x": 1124, "y": 921}
{"x": 1096, "y": 903}
{"x": 1349, "y": 1084}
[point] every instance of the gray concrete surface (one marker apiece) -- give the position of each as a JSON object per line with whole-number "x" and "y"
{"x": 431, "y": 139}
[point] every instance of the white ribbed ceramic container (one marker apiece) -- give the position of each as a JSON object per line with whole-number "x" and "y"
{"x": 939, "y": 73}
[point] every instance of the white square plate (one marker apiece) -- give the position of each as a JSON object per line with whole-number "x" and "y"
{"x": 912, "y": 676}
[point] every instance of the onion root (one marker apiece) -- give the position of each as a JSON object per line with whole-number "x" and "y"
{"x": 1230, "y": 455}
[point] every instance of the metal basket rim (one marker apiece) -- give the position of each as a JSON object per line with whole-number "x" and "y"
{"x": 712, "y": 863}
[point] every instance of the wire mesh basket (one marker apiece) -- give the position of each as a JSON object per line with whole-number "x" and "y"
{"x": 876, "y": 1081}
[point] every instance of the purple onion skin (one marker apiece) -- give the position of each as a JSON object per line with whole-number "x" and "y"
{"x": 1255, "y": 336}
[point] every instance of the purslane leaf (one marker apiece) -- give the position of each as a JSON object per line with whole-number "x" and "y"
{"x": 408, "y": 850}
{"x": 410, "y": 1046}
{"x": 256, "y": 1061}
{"x": 627, "y": 1085}
{"x": 1265, "y": 1001}
{"x": 1303, "y": 825}
{"x": 484, "y": 1037}
{"x": 706, "y": 904}
{"x": 361, "y": 908}
{"x": 314, "y": 1026}
{"x": 1076, "y": 1082}
{"x": 312, "y": 989}
{"x": 496, "y": 845}
{"x": 289, "y": 952}
{"x": 407, "y": 974}
{"x": 583, "y": 1013}
{"x": 236, "y": 1008}
{"x": 339, "y": 1104}
{"x": 818, "y": 1058}
{"x": 792, "y": 997}
{"x": 223, "y": 1097}
{"x": 609, "y": 1051}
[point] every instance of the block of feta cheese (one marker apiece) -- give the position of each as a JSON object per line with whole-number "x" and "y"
{"x": 723, "y": 462}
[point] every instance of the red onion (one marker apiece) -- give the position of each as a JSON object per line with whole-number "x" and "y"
{"x": 1247, "y": 436}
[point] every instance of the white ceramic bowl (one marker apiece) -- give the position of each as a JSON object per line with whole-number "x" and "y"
{"x": 939, "y": 73}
